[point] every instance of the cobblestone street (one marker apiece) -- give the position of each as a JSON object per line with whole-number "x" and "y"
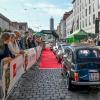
{"x": 49, "y": 49}
{"x": 48, "y": 84}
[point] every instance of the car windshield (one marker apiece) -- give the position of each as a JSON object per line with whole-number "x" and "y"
{"x": 88, "y": 53}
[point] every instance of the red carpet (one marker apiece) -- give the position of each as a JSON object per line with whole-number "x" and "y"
{"x": 48, "y": 60}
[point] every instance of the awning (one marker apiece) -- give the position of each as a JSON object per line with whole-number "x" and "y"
{"x": 38, "y": 34}
{"x": 77, "y": 36}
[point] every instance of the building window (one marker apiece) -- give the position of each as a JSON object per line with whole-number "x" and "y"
{"x": 80, "y": 8}
{"x": 78, "y": 2}
{"x": 94, "y": 19}
{"x": 98, "y": 3}
{"x": 85, "y": 2}
{"x": 99, "y": 14}
{"x": 93, "y": 7}
{"x": 85, "y": 12}
{"x": 80, "y": 25}
{"x": 20, "y": 27}
{"x": 86, "y": 22}
{"x": 89, "y": 9}
{"x": 83, "y": 24}
{"x": 89, "y": 1}
{"x": 89, "y": 21}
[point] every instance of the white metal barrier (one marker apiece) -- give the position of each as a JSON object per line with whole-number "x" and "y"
{"x": 30, "y": 58}
{"x": 12, "y": 70}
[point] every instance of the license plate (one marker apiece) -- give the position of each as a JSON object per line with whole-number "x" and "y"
{"x": 93, "y": 76}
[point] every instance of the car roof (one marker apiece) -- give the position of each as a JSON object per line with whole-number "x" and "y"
{"x": 74, "y": 48}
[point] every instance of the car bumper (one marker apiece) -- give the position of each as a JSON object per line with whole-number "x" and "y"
{"x": 85, "y": 83}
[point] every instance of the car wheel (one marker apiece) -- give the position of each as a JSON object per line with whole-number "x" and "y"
{"x": 70, "y": 85}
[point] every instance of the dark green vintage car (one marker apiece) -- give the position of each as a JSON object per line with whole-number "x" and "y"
{"x": 81, "y": 66}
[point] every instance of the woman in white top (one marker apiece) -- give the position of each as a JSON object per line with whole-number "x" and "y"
{"x": 13, "y": 46}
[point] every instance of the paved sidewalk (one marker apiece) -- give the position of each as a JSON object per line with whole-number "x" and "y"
{"x": 48, "y": 85}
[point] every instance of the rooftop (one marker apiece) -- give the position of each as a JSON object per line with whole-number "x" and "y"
{"x": 50, "y": 32}
{"x": 81, "y": 46}
{"x": 67, "y": 14}
{"x": 5, "y": 18}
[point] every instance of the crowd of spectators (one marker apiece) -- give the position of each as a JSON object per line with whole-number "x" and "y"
{"x": 14, "y": 43}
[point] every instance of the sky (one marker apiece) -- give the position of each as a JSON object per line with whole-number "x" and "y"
{"x": 36, "y": 13}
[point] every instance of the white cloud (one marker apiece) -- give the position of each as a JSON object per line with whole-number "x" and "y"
{"x": 55, "y": 11}
{"x": 4, "y": 1}
{"x": 39, "y": 5}
{"x": 51, "y": 9}
{"x": 28, "y": 5}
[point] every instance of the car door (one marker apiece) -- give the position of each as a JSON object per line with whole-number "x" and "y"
{"x": 68, "y": 59}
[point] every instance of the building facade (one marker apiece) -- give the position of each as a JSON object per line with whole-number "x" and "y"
{"x": 14, "y": 26}
{"x": 85, "y": 12}
{"x": 83, "y": 17}
{"x": 23, "y": 27}
{"x": 4, "y": 22}
{"x": 59, "y": 29}
{"x": 64, "y": 25}
{"x": 18, "y": 26}
{"x": 69, "y": 24}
